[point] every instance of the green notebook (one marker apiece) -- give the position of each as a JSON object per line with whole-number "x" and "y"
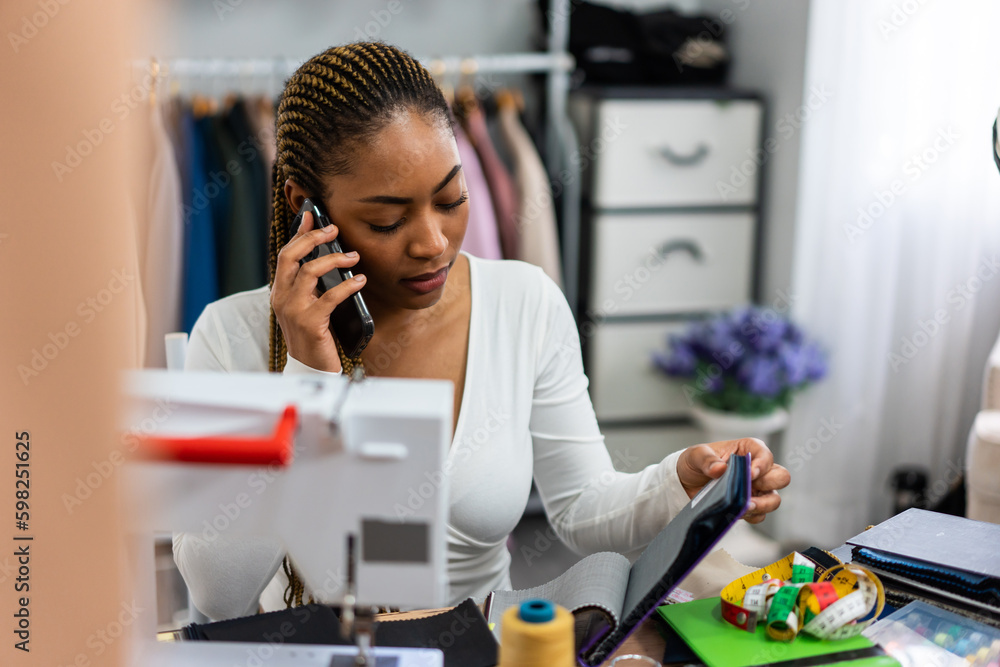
{"x": 719, "y": 644}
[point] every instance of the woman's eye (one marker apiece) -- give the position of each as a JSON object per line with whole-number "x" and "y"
{"x": 455, "y": 204}
{"x": 387, "y": 229}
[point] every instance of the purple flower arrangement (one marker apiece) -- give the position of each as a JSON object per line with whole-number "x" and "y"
{"x": 748, "y": 361}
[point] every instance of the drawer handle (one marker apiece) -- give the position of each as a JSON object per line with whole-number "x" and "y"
{"x": 695, "y": 158}
{"x": 668, "y": 248}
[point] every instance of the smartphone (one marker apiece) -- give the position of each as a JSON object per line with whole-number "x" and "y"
{"x": 350, "y": 322}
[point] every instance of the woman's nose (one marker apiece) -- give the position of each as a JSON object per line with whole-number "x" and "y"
{"x": 429, "y": 239}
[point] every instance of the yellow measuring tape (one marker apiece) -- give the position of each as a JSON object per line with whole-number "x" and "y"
{"x": 794, "y": 595}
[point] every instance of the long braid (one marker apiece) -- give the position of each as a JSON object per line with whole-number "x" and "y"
{"x": 330, "y": 106}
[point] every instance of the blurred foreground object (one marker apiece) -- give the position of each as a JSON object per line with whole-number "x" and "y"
{"x": 339, "y": 499}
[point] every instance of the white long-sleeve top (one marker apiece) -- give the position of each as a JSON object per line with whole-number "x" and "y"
{"x": 525, "y": 413}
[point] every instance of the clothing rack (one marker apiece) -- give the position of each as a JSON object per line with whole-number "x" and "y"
{"x": 555, "y": 63}
{"x": 507, "y": 63}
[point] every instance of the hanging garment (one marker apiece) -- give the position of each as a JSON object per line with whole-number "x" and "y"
{"x": 539, "y": 239}
{"x": 172, "y": 111}
{"x": 137, "y": 358}
{"x": 260, "y": 113}
{"x": 135, "y": 195}
{"x": 240, "y": 254}
{"x": 498, "y": 178}
{"x": 164, "y": 244}
{"x": 481, "y": 237}
{"x": 253, "y": 158}
{"x": 200, "y": 286}
{"x": 220, "y": 148}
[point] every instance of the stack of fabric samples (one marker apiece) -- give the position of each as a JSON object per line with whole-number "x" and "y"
{"x": 948, "y": 561}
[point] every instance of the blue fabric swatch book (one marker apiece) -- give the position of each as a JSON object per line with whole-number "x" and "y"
{"x": 939, "y": 554}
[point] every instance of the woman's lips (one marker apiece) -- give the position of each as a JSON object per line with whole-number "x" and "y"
{"x": 427, "y": 282}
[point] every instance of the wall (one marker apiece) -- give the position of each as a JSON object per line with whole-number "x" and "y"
{"x": 768, "y": 44}
{"x": 259, "y": 28}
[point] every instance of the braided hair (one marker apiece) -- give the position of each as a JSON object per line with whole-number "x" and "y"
{"x": 332, "y": 104}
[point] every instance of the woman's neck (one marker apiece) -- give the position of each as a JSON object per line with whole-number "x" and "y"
{"x": 391, "y": 320}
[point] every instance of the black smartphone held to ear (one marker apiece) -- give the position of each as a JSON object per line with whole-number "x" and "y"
{"x": 350, "y": 322}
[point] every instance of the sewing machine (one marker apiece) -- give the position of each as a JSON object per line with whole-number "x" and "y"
{"x": 348, "y": 475}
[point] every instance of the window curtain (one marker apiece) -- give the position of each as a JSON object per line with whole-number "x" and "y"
{"x": 896, "y": 253}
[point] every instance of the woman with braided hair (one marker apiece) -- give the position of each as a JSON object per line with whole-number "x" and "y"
{"x": 364, "y": 130}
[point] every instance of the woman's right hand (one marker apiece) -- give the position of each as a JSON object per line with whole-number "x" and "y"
{"x": 302, "y": 314}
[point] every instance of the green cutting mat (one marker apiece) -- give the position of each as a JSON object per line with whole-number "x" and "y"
{"x": 719, "y": 644}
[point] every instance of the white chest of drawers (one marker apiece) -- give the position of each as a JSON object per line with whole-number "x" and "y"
{"x": 671, "y": 183}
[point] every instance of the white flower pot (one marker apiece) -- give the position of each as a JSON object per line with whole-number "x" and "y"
{"x": 731, "y": 426}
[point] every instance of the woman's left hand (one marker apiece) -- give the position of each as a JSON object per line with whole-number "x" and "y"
{"x": 700, "y": 464}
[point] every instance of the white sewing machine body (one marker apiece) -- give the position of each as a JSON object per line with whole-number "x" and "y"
{"x": 227, "y": 654}
{"x": 368, "y": 463}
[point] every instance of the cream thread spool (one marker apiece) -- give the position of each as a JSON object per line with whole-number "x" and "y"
{"x": 538, "y": 633}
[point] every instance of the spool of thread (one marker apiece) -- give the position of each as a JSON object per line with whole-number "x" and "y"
{"x": 176, "y": 350}
{"x": 538, "y": 633}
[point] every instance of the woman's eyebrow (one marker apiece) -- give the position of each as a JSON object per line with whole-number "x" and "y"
{"x": 398, "y": 201}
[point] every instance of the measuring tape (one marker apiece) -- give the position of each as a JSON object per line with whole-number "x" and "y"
{"x": 795, "y": 595}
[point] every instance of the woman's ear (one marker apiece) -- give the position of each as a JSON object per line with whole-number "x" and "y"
{"x": 295, "y": 194}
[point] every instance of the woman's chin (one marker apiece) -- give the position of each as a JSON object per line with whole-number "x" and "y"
{"x": 401, "y": 298}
